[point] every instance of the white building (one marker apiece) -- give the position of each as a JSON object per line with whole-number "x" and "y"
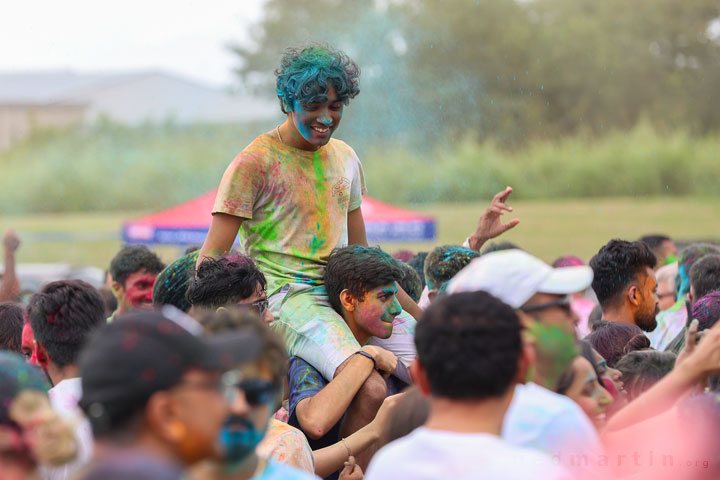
{"x": 63, "y": 98}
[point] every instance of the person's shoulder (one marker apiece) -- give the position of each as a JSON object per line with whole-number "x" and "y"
{"x": 341, "y": 148}
{"x": 276, "y": 471}
{"x": 393, "y": 459}
{"x": 545, "y": 419}
{"x": 534, "y": 464}
{"x": 279, "y": 429}
{"x": 257, "y": 151}
{"x": 540, "y": 398}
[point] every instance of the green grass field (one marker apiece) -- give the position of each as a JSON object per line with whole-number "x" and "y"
{"x": 547, "y": 228}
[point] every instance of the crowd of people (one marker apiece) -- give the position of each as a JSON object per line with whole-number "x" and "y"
{"x": 307, "y": 353}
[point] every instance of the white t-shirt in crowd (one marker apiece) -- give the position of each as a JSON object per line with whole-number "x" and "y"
{"x": 553, "y": 423}
{"x": 64, "y": 399}
{"x": 436, "y": 454}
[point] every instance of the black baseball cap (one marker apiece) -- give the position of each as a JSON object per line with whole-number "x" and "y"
{"x": 144, "y": 352}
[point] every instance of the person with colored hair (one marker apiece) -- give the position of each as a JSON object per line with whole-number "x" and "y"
{"x": 172, "y": 283}
{"x": 443, "y": 263}
{"x": 625, "y": 284}
{"x": 63, "y": 315}
{"x": 707, "y": 310}
{"x": 133, "y": 272}
{"x": 294, "y": 194}
{"x": 671, "y": 322}
{"x": 232, "y": 282}
{"x": 361, "y": 286}
{"x": 469, "y": 350}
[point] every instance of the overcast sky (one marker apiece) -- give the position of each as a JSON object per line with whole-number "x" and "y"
{"x": 183, "y": 36}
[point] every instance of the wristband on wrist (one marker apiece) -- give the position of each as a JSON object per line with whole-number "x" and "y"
{"x": 367, "y": 355}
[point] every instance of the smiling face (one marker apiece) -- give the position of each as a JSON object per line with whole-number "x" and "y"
{"x": 316, "y": 122}
{"x": 373, "y": 315}
{"x": 137, "y": 292}
{"x": 587, "y": 391}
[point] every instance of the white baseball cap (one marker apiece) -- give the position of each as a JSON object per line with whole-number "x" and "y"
{"x": 514, "y": 276}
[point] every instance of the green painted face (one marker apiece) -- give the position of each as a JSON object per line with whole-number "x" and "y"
{"x": 377, "y": 311}
{"x": 555, "y": 350}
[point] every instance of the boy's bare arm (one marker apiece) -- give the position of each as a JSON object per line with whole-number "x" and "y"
{"x": 223, "y": 230}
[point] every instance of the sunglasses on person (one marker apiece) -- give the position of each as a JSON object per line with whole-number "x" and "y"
{"x": 258, "y": 391}
{"x": 563, "y": 303}
{"x": 260, "y": 306}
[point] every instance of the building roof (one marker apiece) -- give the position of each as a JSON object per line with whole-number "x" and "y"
{"x": 131, "y": 97}
{"x": 45, "y": 87}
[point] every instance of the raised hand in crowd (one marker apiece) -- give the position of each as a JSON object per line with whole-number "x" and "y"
{"x": 490, "y": 224}
{"x": 10, "y": 284}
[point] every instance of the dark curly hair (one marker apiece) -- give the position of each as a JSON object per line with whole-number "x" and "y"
{"x": 11, "y": 325}
{"x": 469, "y": 345}
{"x": 62, "y": 317}
{"x": 410, "y": 282}
{"x": 305, "y": 73}
{"x": 172, "y": 283}
{"x": 418, "y": 264}
{"x": 616, "y": 265}
{"x": 134, "y": 259}
{"x": 223, "y": 281}
{"x": 359, "y": 269}
{"x": 444, "y": 262}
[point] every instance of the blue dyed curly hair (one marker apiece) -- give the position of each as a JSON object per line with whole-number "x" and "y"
{"x": 305, "y": 73}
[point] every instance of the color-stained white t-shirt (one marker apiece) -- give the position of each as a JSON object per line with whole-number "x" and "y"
{"x": 64, "y": 398}
{"x": 554, "y": 424}
{"x": 435, "y": 454}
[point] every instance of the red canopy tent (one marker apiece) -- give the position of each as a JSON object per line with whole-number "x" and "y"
{"x": 188, "y": 223}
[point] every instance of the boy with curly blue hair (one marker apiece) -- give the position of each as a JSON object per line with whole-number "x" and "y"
{"x": 294, "y": 194}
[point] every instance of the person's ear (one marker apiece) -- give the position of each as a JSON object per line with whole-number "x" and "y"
{"x": 347, "y": 300}
{"x": 419, "y": 377}
{"x": 162, "y": 420}
{"x": 633, "y": 295}
{"x": 117, "y": 289}
{"x": 431, "y": 295}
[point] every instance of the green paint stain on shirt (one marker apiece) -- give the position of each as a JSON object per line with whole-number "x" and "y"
{"x": 318, "y": 239}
